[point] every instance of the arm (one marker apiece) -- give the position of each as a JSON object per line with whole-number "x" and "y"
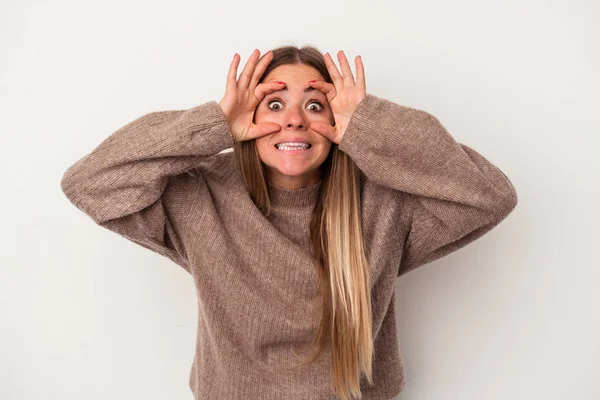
{"x": 451, "y": 194}
{"x": 132, "y": 183}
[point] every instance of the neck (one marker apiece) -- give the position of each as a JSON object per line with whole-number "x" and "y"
{"x": 290, "y": 182}
{"x": 285, "y": 198}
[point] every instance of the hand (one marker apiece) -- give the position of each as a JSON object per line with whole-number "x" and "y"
{"x": 343, "y": 95}
{"x": 242, "y": 96}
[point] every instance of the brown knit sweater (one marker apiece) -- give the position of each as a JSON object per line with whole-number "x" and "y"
{"x": 163, "y": 182}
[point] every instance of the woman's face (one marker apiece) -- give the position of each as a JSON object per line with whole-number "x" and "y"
{"x": 293, "y": 108}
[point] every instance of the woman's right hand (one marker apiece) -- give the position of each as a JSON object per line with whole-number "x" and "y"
{"x": 242, "y": 96}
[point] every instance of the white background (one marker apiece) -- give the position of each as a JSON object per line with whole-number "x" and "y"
{"x": 86, "y": 314}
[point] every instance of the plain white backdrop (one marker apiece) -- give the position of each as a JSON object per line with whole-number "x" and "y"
{"x": 86, "y": 314}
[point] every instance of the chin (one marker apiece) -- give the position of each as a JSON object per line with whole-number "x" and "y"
{"x": 295, "y": 167}
{"x": 295, "y": 173}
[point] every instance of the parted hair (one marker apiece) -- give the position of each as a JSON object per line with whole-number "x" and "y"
{"x": 336, "y": 245}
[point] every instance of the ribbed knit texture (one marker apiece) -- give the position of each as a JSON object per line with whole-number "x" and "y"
{"x": 163, "y": 182}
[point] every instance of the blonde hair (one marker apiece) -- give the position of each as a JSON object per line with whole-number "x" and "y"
{"x": 337, "y": 245}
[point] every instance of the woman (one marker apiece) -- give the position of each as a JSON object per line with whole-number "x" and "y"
{"x": 293, "y": 247}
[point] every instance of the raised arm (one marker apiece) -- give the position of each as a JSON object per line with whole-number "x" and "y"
{"x": 134, "y": 184}
{"x": 451, "y": 194}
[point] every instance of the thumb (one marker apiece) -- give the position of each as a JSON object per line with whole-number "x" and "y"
{"x": 263, "y": 129}
{"x": 324, "y": 129}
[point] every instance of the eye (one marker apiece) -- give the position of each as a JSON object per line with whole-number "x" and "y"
{"x": 319, "y": 108}
{"x": 274, "y": 101}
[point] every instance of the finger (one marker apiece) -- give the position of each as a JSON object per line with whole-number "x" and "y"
{"x": 360, "y": 74}
{"x": 348, "y": 77}
{"x": 323, "y": 128}
{"x": 230, "y": 84}
{"x": 325, "y": 87}
{"x": 267, "y": 87}
{"x": 263, "y": 129}
{"x": 333, "y": 71}
{"x": 248, "y": 69}
{"x": 260, "y": 68}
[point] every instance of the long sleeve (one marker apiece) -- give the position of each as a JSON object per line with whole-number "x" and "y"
{"x": 133, "y": 182}
{"x": 451, "y": 195}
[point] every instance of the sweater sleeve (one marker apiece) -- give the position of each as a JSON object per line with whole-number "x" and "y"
{"x": 132, "y": 182}
{"x": 450, "y": 194}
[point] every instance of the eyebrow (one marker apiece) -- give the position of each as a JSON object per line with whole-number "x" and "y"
{"x": 306, "y": 89}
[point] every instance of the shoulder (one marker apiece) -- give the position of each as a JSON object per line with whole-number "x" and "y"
{"x": 218, "y": 167}
{"x": 217, "y": 173}
{"x": 382, "y": 204}
{"x": 211, "y": 176}
{"x": 214, "y": 168}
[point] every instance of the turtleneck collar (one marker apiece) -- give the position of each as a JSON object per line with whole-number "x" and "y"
{"x": 294, "y": 198}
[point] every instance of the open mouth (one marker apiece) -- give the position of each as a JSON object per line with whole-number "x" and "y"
{"x": 293, "y": 148}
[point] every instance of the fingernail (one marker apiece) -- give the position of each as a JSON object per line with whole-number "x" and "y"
{"x": 313, "y": 80}
{"x": 280, "y": 82}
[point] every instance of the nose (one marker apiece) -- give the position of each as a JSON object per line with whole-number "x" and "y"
{"x": 294, "y": 118}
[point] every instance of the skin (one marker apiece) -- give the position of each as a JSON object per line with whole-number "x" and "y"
{"x": 293, "y": 110}
{"x": 268, "y": 114}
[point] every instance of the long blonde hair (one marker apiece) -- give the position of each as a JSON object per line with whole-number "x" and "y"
{"x": 337, "y": 245}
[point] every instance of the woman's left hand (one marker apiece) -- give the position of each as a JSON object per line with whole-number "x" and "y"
{"x": 343, "y": 95}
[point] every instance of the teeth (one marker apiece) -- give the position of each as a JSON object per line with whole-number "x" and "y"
{"x": 292, "y": 146}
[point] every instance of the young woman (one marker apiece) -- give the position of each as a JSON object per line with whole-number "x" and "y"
{"x": 294, "y": 239}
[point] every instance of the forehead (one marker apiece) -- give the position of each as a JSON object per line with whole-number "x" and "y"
{"x": 296, "y": 77}
{"x": 293, "y": 74}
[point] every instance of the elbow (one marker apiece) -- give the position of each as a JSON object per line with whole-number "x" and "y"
{"x": 507, "y": 198}
{"x": 68, "y": 185}
{"x": 65, "y": 183}
{"x": 512, "y": 198}
{"x": 510, "y": 204}
{"x": 506, "y": 203}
